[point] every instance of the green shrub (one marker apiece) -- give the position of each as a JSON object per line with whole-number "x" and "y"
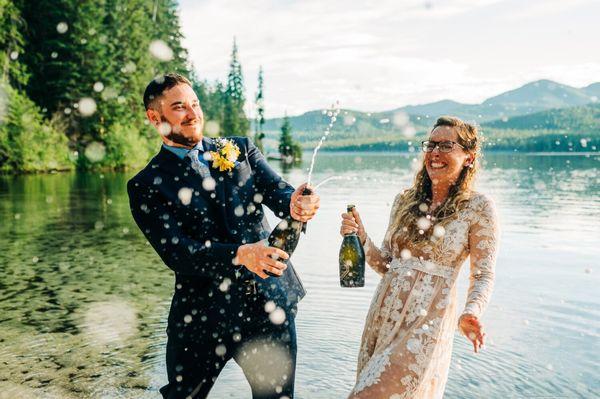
{"x": 28, "y": 142}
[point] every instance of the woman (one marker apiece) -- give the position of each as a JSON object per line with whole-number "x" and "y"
{"x": 434, "y": 226}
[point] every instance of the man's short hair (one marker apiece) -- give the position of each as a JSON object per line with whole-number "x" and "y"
{"x": 160, "y": 84}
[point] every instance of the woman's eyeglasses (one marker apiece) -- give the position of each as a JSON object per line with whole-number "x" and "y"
{"x": 444, "y": 146}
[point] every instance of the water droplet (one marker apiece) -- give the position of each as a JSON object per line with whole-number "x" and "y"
{"x": 208, "y": 183}
{"x": 423, "y": 223}
{"x": 212, "y": 128}
{"x": 187, "y": 318}
{"x": 220, "y": 350}
{"x": 62, "y": 27}
{"x": 405, "y": 254}
{"x": 161, "y": 51}
{"x": 35, "y": 259}
{"x": 349, "y": 120}
{"x": 109, "y": 323}
{"x": 277, "y": 316}
{"x": 224, "y": 286}
{"x": 95, "y": 151}
{"x": 87, "y": 106}
{"x": 409, "y": 131}
{"x": 14, "y": 55}
{"x": 98, "y": 87}
{"x": 164, "y": 128}
{"x": 185, "y": 195}
{"x": 130, "y": 67}
{"x": 400, "y": 119}
{"x": 270, "y": 306}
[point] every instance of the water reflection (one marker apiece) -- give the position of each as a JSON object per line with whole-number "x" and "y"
{"x": 83, "y": 298}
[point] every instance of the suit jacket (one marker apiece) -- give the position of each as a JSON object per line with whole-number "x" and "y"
{"x": 198, "y": 237}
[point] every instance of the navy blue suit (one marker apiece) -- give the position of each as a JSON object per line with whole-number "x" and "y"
{"x": 218, "y": 309}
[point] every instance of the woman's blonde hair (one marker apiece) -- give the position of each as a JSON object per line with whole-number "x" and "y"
{"x": 410, "y": 208}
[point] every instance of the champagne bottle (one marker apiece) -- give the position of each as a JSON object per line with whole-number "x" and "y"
{"x": 286, "y": 234}
{"x": 352, "y": 260}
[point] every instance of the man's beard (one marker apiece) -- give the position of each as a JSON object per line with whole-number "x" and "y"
{"x": 177, "y": 137}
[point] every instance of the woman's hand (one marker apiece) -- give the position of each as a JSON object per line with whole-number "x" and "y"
{"x": 351, "y": 223}
{"x": 471, "y": 328}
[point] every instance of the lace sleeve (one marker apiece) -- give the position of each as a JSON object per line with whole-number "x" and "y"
{"x": 483, "y": 245}
{"x": 379, "y": 257}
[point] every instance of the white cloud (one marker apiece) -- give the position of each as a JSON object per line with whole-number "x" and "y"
{"x": 541, "y": 8}
{"x": 379, "y": 55}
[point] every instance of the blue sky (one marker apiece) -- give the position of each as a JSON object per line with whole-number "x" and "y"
{"x": 380, "y": 55}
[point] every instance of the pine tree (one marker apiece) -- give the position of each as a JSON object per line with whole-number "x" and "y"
{"x": 235, "y": 122}
{"x": 290, "y": 151}
{"x": 28, "y": 142}
{"x": 259, "y": 122}
{"x": 104, "y": 55}
{"x": 12, "y": 45}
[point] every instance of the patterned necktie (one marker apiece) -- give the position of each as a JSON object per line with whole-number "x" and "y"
{"x": 198, "y": 165}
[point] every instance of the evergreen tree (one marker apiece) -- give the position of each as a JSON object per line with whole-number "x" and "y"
{"x": 259, "y": 123}
{"x": 28, "y": 142}
{"x": 12, "y": 45}
{"x": 235, "y": 122}
{"x": 103, "y": 54}
{"x": 290, "y": 151}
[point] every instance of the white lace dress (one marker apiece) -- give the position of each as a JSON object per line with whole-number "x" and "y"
{"x": 407, "y": 340}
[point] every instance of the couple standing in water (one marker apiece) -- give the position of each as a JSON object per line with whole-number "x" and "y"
{"x": 199, "y": 203}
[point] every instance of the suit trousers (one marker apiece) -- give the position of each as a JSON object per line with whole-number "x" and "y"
{"x": 261, "y": 338}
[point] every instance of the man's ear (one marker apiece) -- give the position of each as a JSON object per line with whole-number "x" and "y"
{"x": 153, "y": 116}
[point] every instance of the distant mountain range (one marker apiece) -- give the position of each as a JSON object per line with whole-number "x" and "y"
{"x": 521, "y": 108}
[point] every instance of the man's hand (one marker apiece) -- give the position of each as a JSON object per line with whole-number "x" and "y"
{"x": 257, "y": 258}
{"x": 304, "y": 207}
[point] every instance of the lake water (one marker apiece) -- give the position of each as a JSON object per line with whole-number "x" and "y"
{"x": 84, "y": 300}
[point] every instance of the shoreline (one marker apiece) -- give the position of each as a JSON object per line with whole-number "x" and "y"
{"x": 329, "y": 152}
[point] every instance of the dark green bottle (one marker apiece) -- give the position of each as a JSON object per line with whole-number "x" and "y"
{"x": 352, "y": 260}
{"x": 286, "y": 234}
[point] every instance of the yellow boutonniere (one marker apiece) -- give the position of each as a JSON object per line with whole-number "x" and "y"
{"x": 225, "y": 156}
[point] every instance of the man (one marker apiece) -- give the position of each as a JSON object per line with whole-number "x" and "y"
{"x": 207, "y": 225}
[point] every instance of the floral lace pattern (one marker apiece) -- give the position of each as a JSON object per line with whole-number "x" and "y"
{"x": 372, "y": 371}
{"x": 406, "y": 346}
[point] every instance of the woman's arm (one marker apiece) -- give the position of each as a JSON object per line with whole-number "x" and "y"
{"x": 483, "y": 245}
{"x": 377, "y": 257}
